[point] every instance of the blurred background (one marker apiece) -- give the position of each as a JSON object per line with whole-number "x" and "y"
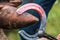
{"x": 52, "y": 26}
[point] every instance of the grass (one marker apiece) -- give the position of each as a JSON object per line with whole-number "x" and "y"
{"x": 13, "y": 34}
{"x": 52, "y": 27}
{"x": 53, "y": 22}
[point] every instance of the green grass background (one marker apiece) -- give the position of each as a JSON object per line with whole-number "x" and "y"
{"x": 52, "y": 27}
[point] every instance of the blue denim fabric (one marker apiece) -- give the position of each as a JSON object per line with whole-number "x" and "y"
{"x": 46, "y": 5}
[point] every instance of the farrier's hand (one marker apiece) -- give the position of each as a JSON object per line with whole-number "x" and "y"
{"x": 10, "y": 19}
